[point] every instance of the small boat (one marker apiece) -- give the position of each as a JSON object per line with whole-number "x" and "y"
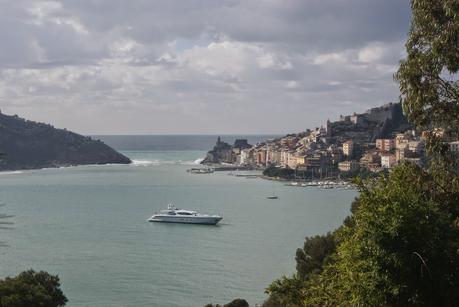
{"x": 273, "y": 194}
{"x": 174, "y": 215}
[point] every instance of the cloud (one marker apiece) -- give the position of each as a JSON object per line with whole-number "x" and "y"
{"x": 271, "y": 65}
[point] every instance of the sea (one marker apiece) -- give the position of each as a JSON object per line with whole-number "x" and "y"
{"x": 88, "y": 225}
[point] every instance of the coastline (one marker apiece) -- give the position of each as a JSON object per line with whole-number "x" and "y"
{"x": 134, "y": 162}
{"x": 57, "y": 167}
{"x": 300, "y": 182}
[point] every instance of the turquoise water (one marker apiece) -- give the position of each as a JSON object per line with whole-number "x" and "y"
{"x": 88, "y": 225}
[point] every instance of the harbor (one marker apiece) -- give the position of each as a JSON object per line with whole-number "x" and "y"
{"x": 341, "y": 185}
{"x": 301, "y": 183}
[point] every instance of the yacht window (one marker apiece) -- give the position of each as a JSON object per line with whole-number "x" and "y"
{"x": 184, "y": 213}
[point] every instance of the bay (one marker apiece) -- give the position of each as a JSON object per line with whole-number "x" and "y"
{"x": 88, "y": 224}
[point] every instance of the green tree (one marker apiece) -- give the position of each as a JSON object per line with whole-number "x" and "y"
{"x": 314, "y": 254}
{"x": 30, "y": 289}
{"x": 234, "y": 303}
{"x": 288, "y": 291}
{"x": 402, "y": 250}
{"x": 237, "y": 303}
{"x": 429, "y": 89}
{"x": 428, "y": 76}
{"x": 273, "y": 171}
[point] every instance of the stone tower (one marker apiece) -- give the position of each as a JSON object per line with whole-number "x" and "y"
{"x": 329, "y": 129}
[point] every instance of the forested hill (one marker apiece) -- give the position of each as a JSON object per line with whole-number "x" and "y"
{"x": 26, "y": 144}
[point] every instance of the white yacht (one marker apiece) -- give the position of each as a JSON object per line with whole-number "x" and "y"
{"x": 174, "y": 215}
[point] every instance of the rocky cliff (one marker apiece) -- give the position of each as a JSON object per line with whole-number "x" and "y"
{"x": 381, "y": 122}
{"x": 221, "y": 153}
{"x": 26, "y": 144}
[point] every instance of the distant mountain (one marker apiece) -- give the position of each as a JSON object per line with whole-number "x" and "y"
{"x": 26, "y": 144}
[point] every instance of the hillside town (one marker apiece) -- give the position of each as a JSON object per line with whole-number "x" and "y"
{"x": 370, "y": 142}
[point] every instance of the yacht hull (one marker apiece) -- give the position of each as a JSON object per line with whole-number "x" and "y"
{"x": 186, "y": 220}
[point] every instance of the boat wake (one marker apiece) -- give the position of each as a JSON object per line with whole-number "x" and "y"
{"x": 11, "y": 172}
{"x": 198, "y": 161}
{"x": 145, "y": 162}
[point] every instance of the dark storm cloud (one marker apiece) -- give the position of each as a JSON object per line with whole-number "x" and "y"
{"x": 298, "y": 24}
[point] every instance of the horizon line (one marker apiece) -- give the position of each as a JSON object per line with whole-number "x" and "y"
{"x": 190, "y": 134}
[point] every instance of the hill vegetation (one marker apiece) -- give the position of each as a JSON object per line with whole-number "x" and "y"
{"x": 26, "y": 144}
{"x": 31, "y": 289}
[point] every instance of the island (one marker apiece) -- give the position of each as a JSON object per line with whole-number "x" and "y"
{"x": 26, "y": 144}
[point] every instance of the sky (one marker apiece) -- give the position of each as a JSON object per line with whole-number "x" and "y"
{"x": 198, "y": 66}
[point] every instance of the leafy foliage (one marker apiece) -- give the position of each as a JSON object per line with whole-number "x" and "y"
{"x": 234, "y": 303}
{"x": 315, "y": 252}
{"x": 237, "y": 303}
{"x": 30, "y": 289}
{"x": 288, "y": 291}
{"x": 273, "y": 171}
{"x": 403, "y": 249}
{"x": 362, "y": 173}
{"x": 428, "y": 77}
